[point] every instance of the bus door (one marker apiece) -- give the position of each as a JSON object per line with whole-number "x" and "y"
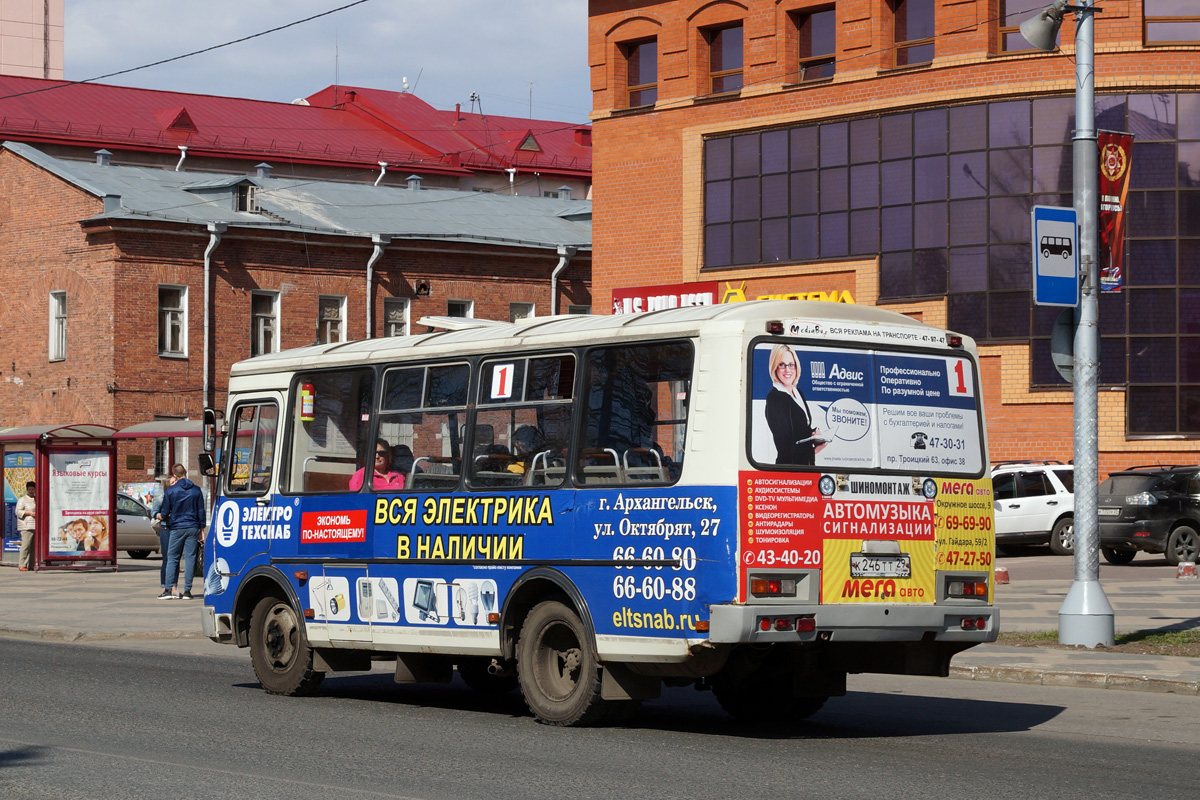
{"x": 249, "y": 519}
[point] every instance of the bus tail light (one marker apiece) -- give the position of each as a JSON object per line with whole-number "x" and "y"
{"x": 974, "y": 623}
{"x": 803, "y": 624}
{"x": 806, "y": 624}
{"x": 967, "y": 589}
{"x": 773, "y": 587}
{"x": 954, "y": 340}
{"x": 775, "y": 327}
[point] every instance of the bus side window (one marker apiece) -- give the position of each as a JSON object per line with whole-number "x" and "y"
{"x": 424, "y": 409}
{"x": 252, "y": 448}
{"x": 636, "y": 406}
{"x": 330, "y": 417}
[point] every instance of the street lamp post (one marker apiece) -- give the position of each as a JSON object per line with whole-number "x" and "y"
{"x": 1085, "y": 618}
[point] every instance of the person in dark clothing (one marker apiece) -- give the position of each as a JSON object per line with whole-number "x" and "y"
{"x": 183, "y": 513}
{"x": 788, "y": 414}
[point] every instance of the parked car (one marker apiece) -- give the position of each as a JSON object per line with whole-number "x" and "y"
{"x": 1035, "y": 504}
{"x": 1151, "y": 509}
{"x": 134, "y": 532}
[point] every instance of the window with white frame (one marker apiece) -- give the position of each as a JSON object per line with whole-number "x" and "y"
{"x": 395, "y": 316}
{"x": 172, "y": 320}
{"x": 264, "y": 323}
{"x": 460, "y": 308}
{"x": 331, "y": 319}
{"x": 518, "y": 311}
{"x": 247, "y": 198}
{"x": 58, "y": 326}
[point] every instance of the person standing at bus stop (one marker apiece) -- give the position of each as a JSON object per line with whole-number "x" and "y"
{"x": 183, "y": 512}
{"x": 26, "y": 516}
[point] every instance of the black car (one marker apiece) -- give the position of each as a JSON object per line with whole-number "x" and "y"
{"x": 1153, "y": 509}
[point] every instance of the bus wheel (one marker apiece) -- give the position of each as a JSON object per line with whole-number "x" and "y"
{"x": 763, "y": 695}
{"x": 279, "y": 650}
{"x": 557, "y": 668}
{"x": 477, "y": 675}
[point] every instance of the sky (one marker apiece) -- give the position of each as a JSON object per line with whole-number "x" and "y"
{"x": 447, "y": 49}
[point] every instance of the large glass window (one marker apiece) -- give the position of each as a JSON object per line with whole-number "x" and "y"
{"x": 330, "y": 418}
{"x": 641, "y": 72}
{"x": 816, "y": 34}
{"x": 1012, "y": 14}
{"x": 942, "y": 197}
{"x": 523, "y": 422}
{"x": 423, "y": 417}
{"x": 252, "y": 447}
{"x": 636, "y": 402}
{"x": 725, "y": 58}
{"x": 1171, "y": 21}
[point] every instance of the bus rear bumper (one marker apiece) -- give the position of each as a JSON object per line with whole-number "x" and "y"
{"x": 738, "y": 624}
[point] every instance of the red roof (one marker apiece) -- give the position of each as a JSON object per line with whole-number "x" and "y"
{"x": 376, "y": 126}
{"x": 480, "y": 141}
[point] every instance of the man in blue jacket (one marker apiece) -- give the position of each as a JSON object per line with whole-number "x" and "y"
{"x": 183, "y": 513}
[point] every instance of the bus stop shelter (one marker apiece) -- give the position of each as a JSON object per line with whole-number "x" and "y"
{"x": 74, "y": 467}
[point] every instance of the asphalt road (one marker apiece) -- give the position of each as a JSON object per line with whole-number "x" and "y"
{"x": 78, "y": 721}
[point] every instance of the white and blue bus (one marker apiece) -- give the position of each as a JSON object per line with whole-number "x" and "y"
{"x": 756, "y": 498}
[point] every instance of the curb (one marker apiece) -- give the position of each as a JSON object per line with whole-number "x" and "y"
{"x": 60, "y": 635}
{"x": 1082, "y": 680}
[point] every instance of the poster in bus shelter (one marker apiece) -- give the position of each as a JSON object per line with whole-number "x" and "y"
{"x": 80, "y": 495}
{"x": 18, "y": 471}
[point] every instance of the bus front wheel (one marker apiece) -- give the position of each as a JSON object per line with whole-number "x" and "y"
{"x": 279, "y": 649}
{"x": 557, "y": 668}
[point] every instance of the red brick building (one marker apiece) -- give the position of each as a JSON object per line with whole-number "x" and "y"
{"x": 104, "y": 296}
{"x": 892, "y": 150}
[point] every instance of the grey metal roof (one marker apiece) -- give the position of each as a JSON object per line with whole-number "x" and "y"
{"x": 326, "y": 207}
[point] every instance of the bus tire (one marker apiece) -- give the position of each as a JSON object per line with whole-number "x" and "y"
{"x": 557, "y": 667}
{"x": 762, "y": 695}
{"x": 279, "y": 649}
{"x": 477, "y": 676}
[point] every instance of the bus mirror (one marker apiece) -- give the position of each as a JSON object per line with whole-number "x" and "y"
{"x": 208, "y": 467}
{"x": 209, "y": 431}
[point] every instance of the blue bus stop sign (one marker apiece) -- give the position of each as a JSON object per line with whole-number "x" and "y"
{"x": 1055, "y": 257}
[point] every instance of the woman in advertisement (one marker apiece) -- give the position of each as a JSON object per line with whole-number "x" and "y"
{"x": 788, "y": 416}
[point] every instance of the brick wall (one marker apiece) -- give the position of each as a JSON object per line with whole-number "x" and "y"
{"x": 113, "y": 374}
{"x": 648, "y": 170}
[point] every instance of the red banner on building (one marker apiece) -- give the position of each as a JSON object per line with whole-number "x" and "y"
{"x": 1116, "y": 154}
{"x": 655, "y": 298}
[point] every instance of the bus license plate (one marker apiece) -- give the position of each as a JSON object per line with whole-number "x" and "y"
{"x": 863, "y": 565}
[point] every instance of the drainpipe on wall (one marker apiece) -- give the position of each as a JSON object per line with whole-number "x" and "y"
{"x": 380, "y": 242}
{"x": 215, "y": 229}
{"x": 565, "y": 253}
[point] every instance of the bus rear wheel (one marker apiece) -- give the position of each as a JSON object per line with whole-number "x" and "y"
{"x": 279, "y": 649}
{"x": 557, "y": 668}
{"x": 762, "y": 693}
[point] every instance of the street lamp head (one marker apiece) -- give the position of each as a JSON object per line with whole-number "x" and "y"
{"x": 1041, "y": 30}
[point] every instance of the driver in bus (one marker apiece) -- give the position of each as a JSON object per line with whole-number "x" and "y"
{"x": 385, "y": 478}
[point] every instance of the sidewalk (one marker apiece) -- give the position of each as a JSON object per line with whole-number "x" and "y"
{"x": 122, "y": 607}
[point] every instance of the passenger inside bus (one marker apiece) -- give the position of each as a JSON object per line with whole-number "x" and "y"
{"x": 385, "y": 476}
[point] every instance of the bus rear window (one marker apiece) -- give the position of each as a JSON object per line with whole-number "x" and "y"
{"x": 827, "y": 407}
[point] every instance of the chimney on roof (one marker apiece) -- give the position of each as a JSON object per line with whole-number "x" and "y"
{"x": 263, "y": 170}
{"x": 583, "y": 136}
{"x": 350, "y": 96}
{"x": 414, "y": 182}
{"x": 103, "y": 157}
{"x": 564, "y": 192}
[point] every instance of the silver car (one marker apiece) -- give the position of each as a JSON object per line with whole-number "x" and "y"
{"x": 135, "y": 535}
